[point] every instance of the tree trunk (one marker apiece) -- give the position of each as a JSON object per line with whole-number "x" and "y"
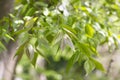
{"x": 5, "y": 7}
{"x": 9, "y": 61}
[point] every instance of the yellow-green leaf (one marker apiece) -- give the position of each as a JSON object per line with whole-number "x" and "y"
{"x": 89, "y": 30}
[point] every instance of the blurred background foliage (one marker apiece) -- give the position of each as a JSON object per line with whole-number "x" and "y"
{"x": 66, "y": 33}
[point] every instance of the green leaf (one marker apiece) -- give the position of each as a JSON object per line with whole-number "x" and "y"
{"x": 66, "y": 41}
{"x": 33, "y": 40}
{"x": 71, "y": 32}
{"x": 39, "y": 4}
{"x": 30, "y": 51}
{"x": 94, "y": 51}
{"x": 57, "y": 39}
{"x": 30, "y": 12}
{"x": 9, "y": 37}
{"x": 24, "y": 9}
{"x": 83, "y": 8}
{"x": 20, "y": 31}
{"x": 89, "y": 66}
{"x": 34, "y": 59}
{"x": 62, "y": 44}
{"x": 89, "y": 30}
{"x": 2, "y": 47}
{"x": 84, "y": 48}
{"x": 30, "y": 23}
{"x": 82, "y": 57}
{"x": 116, "y": 41}
{"x": 72, "y": 60}
{"x": 40, "y": 53}
{"x": 98, "y": 65}
{"x": 69, "y": 29}
{"x": 20, "y": 51}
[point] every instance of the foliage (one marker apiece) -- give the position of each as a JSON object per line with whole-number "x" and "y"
{"x": 72, "y": 29}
